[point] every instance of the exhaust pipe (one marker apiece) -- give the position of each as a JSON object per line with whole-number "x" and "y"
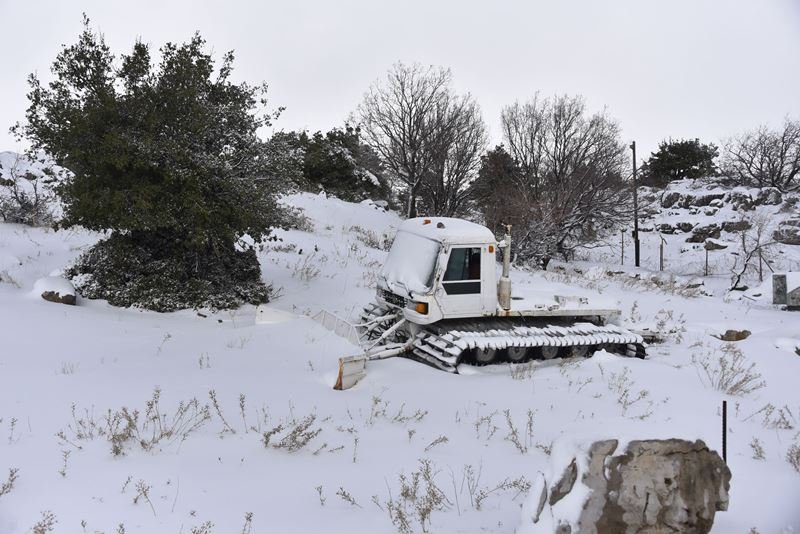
{"x": 504, "y": 284}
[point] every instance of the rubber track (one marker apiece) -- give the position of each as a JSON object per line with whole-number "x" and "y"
{"x": 443, "y": 344}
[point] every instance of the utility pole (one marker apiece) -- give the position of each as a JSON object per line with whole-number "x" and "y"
{"x": 635, "y": 209}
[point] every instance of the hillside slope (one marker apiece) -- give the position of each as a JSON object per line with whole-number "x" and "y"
{"x": 97, "y": 410}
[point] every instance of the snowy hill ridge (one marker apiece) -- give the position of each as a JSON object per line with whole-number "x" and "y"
{"x": 119, "y": 420}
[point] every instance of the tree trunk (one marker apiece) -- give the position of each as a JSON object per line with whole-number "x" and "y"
{"x": 411, "y": 208}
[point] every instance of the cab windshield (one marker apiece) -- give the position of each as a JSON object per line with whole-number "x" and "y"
{"x": 411, "y": 264}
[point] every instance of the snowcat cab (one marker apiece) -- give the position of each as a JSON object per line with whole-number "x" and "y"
{"x": 440, "y": 268}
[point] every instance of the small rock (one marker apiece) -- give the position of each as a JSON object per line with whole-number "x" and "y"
{"x": 669, "y": 198}
{"x": 55, "y": 289}
{"x": 735, "y": 335}
{"x": 685, "y": 227}
{"x": 788, "y": 232}
{"x": 711, "y": 244}
{"x": 769, "y": 196}
{"x": 740, "y": 200}
{"x": 736, "y": 226}
{"x": 701, "y": 233}
{"x": 665, "y": 228}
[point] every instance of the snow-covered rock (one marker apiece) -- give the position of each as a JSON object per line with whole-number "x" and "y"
{"x": 702, "y": 233}
{"x": 669, "y": 485}
{"x": 769, "y": 196}
{"x": 788, "y": 232}
{"x": 55, "y": 289}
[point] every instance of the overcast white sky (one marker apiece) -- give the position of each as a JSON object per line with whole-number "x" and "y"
{"x": 679, "y": 68}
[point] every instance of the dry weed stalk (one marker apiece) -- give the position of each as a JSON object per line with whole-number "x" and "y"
{"x": 46, "y": 524}
{"x": 8, "y": 485}
{"x": 729, "y": 372}
{"x": 345, "y": 496}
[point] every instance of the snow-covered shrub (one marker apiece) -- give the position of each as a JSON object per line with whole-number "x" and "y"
{"x": 125, "y": 272}
{"x": 295, "y": 219}
{"x": 27, "y": 193}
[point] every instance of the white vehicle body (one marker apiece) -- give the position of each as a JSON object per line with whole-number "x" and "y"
{"x": 449, "y": 267}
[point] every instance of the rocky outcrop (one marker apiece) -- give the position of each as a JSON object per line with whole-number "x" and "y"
{"x": 674, "y": 199}
{"x": 653, "y": 486}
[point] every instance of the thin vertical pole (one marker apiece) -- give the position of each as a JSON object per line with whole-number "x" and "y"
{"x": 635, "y": 209}
{"x": 661, "y": 255}
{"x": 725, "y": 431}
{"x": 760, "y": 267}
{"x": 622, "y": 246}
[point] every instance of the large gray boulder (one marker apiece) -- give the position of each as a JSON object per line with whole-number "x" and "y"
{"x": 654, "y": 486}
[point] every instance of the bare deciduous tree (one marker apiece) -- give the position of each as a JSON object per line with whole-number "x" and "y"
{"x": 754, "y": 252}
{"x": 765, "y": 158}
{"x": 572, "y": 169}
{"x": 427, "y": 137}
{"x": 458, "y": 143}
{"x": 26, "y": 191}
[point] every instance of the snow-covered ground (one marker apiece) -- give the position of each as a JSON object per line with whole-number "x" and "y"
{"x": 97, "y": 411}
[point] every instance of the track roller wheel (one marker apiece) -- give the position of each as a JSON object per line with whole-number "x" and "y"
{"x": 548, "y": 352}
{"x": 484, "y": 356}
{"x": 580, "y": 351}
{"x": 517, "y": 354}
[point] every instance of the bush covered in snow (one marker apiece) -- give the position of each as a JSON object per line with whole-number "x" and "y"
{"x": 127, "y": 272}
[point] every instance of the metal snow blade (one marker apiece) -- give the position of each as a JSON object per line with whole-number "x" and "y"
{"x": 354, "y": 368}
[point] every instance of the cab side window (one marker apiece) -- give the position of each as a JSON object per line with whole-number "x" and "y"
{"x": 463, "y": 273}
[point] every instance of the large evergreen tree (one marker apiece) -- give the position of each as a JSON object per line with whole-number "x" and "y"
{"x": 167, "y": 158}
{"x": 677, "y": 160}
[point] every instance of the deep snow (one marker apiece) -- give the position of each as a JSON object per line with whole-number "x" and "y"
{"x": 57, "y": 360}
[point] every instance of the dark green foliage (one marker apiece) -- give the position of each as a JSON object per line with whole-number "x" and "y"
{"x": 677, "y": 160}
{"x": 339, "y": 164}
{"x": 497, "y": 188}
{"x": 140, "y": 270}
{"x": 168, "y": 153}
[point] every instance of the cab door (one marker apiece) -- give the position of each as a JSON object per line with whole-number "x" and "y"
{"x": 460, "y": 292}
